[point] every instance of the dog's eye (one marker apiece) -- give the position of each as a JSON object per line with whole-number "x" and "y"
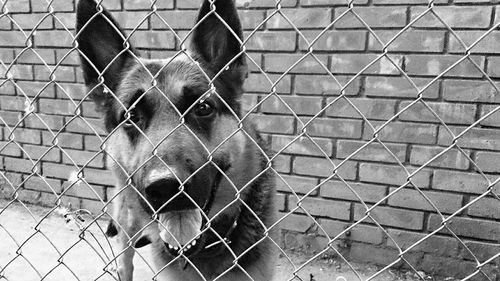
{"x": 130, "y": 118}
{"x": 204, "y": 109}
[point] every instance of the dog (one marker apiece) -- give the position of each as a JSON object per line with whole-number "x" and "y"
{"x": 194, "y": 181}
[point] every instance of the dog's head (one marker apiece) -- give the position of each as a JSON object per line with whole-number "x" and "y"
{"x": 175, "y": 134}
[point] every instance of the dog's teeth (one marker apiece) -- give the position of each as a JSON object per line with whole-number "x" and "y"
{"x": 188, "y": 247}
{"x": 193, "y": 243}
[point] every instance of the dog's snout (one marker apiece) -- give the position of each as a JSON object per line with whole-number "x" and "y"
{"x": 163, "y": 189}
{"x": 168, "y": 190}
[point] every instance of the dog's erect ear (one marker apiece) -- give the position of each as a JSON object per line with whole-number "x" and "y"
{"x": 103, "y": 48}
{"x": 217, "y": 38}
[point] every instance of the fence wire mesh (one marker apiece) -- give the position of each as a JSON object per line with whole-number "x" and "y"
{"x": 418, "y": 194}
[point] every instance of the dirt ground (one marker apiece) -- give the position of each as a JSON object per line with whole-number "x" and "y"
{"x": 84, "y": 259}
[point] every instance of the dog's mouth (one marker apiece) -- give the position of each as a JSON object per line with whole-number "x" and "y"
{"x": 181, "y": 231}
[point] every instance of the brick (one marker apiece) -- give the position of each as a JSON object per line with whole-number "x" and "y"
{"x": 360, "y": 233}
{"x": 22, "y": 72}
{"x": 64, "y": 172}
{"x": 59, "y": 107}
{"x": 337, "y": 128}
{"x": 459, "y": 181}
{"x": 488, "y": 161}
{"x": 492, "y": 120}
{"x": 67, "y": 57}
{"x": 485, "y": 208}
{"x": 258, "y": 3}
{"x": 321, "y": 207}
{"x": 336, "y": 40}
{"x": 450, "y": 113}
{"x": 372, "y": 16}
{"x": 254, "y": 61}
{"x": 30, "y": 21}
{"x": 410, "y": 41}
{"x": 10, "y": 118}
{"x": 176, "y": 19}
{"x": 52, "y": 122}
{"x": 308, "y": 64}
{"x": 9, "y": 182}
{"x": 282, "y": 163}
{"x": 300, "y": 185}
{"x": 466, "y": 227}
{"x": 474, "y": 138}
{"x": 301, "y": 18}
{"x": 392, "y": 217}
{"x": 16, "y": 103}
{"x": 61, "y": 73}
{"x": 393, "y": 175}
{"x": 52, "y": 38}
{"x": 470, "y": 91}
{"x": 98, "y": 176}
{"x": 486, "y": 45}
{"x": 406, "y": 2}
{"x": 83, "y": 190}
{"x": 273, "y": 123}
{"x": 44, "y": 153}
{"x": 36, "y": 56}
{"x": 451, "y": 159}
{"x": 413, "y": 199}
{"x": 5, "y": 23}
{"x": 64, "y": 140}
{"x": 251, "y": 19}
{"x": 482, "y": 251}
{"x": 322, "y": 167}
{"x": 20, "y": 6}
{"x": 302, "y": 145}
{"x": 454, "y": 16}
{"x": 493, "y": 70}
{"x": 339, "y": 190}
{"x": 330, "y": 2}
{"x": 264, "y": 83}
{"x": 45, "y": 185}
{"x": 89, "y": 126}
{"x": 112, "y": 4}
{"x": 146, "y": 4}
{"x": 370, "y": 108}
{"x": 325, "y": 85}
{"x": 405, "y": 132}
{"x": 71, "y": 91}
{"x": 354, "y": 63}
{"x": 35, "y": 88}
{"x": 7, "y": 87}
{"x": 92, "y": 143}
{"x": 22, "y": 135}
{"x": 298, "y": 105}
{"x": 249, "y": 103}
{"x": 21, "y": 165}
{"x": 81, "y": 158}
{"x": 56, "y": 5}
{"x": 153, "y": 39}
{"x": 133, "y": 20}
{"x": 436, "y": 245}
{"x": 434, "y": 65}
{"x": 271, "y": 41}
{"x": 372, "y": 152}
{"x": 9, "y": 149}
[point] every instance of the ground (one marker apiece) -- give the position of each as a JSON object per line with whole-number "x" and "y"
{"x": 83, "y": 259}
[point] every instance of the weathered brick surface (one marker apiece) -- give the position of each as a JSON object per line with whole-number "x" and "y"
{"x": 328, "y": 72}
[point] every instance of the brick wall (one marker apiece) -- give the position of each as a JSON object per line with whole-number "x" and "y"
{"x": 59, "y": 129}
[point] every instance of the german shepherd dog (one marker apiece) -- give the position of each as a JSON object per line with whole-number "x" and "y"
{"x": 193, "y": 179}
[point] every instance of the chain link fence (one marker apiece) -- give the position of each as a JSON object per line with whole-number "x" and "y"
{"x": 390, "y": 162}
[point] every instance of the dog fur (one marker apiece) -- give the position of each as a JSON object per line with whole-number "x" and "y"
{"x": 164, "y": 126}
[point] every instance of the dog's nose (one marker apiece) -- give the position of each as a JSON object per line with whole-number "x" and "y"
{"x": 168, "y": 190}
